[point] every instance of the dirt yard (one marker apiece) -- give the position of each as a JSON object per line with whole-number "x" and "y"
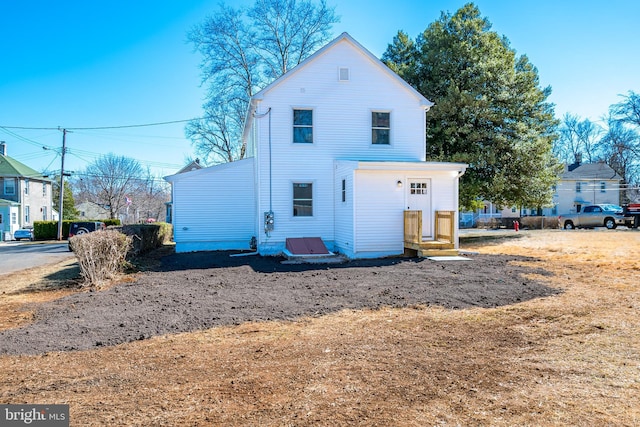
{"x": 543, "y": 329}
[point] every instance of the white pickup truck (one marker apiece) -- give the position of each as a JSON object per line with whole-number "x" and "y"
{"x": 603, "y": 215}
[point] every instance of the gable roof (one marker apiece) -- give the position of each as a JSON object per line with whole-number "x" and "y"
{"x": 599, "y": 170}
{"x": 13, "y": 168}
{"x": 342, "y": 37}
{"x": 192, "y": 166}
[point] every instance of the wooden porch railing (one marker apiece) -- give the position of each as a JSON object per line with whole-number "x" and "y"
{"x": 413, "y": 226}
{"x": 445, "y": 226}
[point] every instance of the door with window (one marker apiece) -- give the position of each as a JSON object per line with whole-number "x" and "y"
{"x": 419, "y": 198}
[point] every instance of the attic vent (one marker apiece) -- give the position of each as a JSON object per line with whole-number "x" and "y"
{"x": 343, "y": 74}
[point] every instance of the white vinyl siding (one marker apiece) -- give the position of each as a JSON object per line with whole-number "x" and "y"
{"x": 341, "y": 130}
{"x": 379, "y": 225}
{"x": 214, "y": 208}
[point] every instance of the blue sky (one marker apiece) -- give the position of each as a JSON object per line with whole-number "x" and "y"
{"x": 77, "y": 64}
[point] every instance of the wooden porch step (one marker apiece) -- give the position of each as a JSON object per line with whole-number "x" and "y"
{"x": 432, "y": 248}
{"x": 423, "y": 253}
{"x": 429, "y": 245}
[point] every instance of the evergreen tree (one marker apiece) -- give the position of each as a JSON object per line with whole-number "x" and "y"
{"x": 69, "y": 210}
{"x": 490, "y": 110}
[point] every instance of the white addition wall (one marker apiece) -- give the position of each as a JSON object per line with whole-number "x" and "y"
{"x": 370, "y": 223}
{"x": 379, "y": 212}
{"x": 214, "y": 208}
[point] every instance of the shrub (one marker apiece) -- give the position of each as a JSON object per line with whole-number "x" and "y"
{"x": 101, "y": 255}
{"x": 539, "y": 222}
{"x": 48, "y": 230}
{"x": 147, "y": 236}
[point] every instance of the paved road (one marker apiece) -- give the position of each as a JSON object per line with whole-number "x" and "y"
{"x": 16, "y": 256}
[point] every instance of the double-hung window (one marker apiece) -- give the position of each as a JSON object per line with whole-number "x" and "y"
{"x": 302, "y": 199}
{"x": 380, "y": 127}
{"x": 303, "y": 126}
{"x": 9, "y": 186}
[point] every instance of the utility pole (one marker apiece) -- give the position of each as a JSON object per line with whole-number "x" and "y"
{"x": 60, "y": 205}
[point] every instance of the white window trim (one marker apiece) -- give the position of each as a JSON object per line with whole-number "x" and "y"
{"x": 314, "y": 191}
{"x": 381, "y": 110}
{"x": 313, "y": 125}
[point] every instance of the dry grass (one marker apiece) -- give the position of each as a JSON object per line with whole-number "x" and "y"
{"x": 571, "y": 359}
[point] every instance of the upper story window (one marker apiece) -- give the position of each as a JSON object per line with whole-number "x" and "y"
{"x": 380, "y": 127}
{"x": 343, "y": 74}
{"x": 26, "y": 186}
{"x": 578, "y": 187}
{"x": 303, "y": 126}
{"x": 44, "y": 189}
{"x": 9, "y": 186}
{"x": 603, "y": 187}
{"x": 302, "y": 199}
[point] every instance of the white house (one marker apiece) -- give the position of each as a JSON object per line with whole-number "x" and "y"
{"x": 335, "y": 150}
{"x": 584, "y": 184}
{"x": 580, "y": 184}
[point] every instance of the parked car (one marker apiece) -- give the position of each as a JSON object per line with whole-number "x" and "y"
{"x": 83, "y": 227}
{"x": 602, "y": 215}
{"x": 23, "y": 233}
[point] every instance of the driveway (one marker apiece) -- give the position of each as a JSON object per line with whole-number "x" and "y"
{"x": 17, "y": 256}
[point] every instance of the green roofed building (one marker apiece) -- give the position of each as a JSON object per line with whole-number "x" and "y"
{"x": 25, "y": 195}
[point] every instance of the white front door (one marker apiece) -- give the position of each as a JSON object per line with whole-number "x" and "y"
{"x": 419, "y": 198}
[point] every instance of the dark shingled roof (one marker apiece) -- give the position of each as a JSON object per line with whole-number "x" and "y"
{"x": 598, "y": 170}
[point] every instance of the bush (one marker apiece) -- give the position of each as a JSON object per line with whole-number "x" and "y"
{"x": 101, "y": 255}
{"x": 147, "y": 236}
{"x": 48, "y": 230}
{"x": 493, "y": 223}
{"x": 539, "y": 222}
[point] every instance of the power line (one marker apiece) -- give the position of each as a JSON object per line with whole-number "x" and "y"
{"x": 102, "y": 127}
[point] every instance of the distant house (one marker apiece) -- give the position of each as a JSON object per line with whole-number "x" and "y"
{"x": 89, "y": 210}
{"x": 336, "y": 151}
{"x": 585, "y": 184}
{"x": 579, "y": 185}
{"x": 25, "y": 195}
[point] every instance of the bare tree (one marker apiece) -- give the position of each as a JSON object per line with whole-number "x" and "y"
{"x": 148, "y": 202}
{"x": 620, "y": 147}
{"x": 217, "y": 136}
{"x": 288, "y": 31}
{"x": 567, "y": 146}
{"x": 628, "y": 110}
{"x": 577, "y": 139}
{"x": 110, "y": 181}
{"x": 242, "y": 51}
